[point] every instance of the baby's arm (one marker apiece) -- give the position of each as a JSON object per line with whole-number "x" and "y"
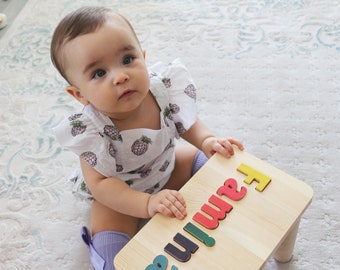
{"x": 117, "y": 195}
{"x": 200, "y": 136}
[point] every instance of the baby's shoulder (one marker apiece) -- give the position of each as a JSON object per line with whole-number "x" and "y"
{"x": 160, "y": 69}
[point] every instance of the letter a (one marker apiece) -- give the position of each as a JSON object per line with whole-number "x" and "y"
{"x": 159, "y": 263}
{"x": 230, "y": 190}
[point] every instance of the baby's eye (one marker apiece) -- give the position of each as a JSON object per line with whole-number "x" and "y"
{"x": 99, "y": 73}
{"x": 128, "y": 59}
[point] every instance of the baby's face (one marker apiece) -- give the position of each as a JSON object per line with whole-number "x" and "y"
{"x": 107, "y": 68}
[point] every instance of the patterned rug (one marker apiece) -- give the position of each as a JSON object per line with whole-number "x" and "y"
{"x": 267, "y": 73}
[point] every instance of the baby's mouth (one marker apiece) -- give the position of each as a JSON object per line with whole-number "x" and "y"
{"x": 127, "y": 94}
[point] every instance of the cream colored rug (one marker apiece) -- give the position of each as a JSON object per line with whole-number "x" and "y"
{"x": 267, "y": 73}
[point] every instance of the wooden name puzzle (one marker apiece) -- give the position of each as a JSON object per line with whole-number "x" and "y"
{"x": 241, "y": 211}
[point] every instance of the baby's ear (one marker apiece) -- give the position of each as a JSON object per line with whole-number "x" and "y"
{"x": 75, "y": 92}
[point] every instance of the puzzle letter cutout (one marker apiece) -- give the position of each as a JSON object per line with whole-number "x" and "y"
{"x": 240, "y": 211}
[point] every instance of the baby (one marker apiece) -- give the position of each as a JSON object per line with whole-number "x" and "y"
{"x": 125, "y": 135}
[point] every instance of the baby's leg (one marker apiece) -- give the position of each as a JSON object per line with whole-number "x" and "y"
{"x": 111, "y": 232}
{"x": 188, "y": 161}
{"x": 106, "y": 219}
{"x": 199, "y": 161}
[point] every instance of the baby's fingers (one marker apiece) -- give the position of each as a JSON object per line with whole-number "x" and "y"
{"x": 169, "y": 203}
{"x": 178, "y": 197}
{"x": 237, "y": 143}
{"x": 177, "y": 205}
{"x": 226, "y": 146}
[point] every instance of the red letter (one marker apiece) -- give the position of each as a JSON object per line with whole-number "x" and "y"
{"x": 230, "y": 190}
{"x": 216, "y": 215}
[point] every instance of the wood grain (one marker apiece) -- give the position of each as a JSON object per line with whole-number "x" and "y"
{"x": 246, "y": 238}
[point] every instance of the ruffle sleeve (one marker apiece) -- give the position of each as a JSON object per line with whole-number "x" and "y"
{"x": 85, "y": 135}
{"x": 175, "y": 80}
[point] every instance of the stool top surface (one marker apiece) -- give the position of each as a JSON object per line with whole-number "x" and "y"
{"x": 245, "y": 238}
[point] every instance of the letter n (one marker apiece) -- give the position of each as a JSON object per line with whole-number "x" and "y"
{"x": 179, "y": 255}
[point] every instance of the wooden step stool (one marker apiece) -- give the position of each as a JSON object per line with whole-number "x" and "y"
{"x": 241, "y": 211}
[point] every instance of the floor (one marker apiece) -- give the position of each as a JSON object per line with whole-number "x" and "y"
{"x": 266, "y": 73}
{"x": 11, "y": 8}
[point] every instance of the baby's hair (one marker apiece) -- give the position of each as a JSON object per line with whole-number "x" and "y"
{"x": 83, "y": 21}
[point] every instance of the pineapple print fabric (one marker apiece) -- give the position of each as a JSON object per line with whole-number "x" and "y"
{"x": 143, "y": 158}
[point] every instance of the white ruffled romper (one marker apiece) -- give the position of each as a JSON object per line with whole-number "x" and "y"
{"x": 142, "y": 158}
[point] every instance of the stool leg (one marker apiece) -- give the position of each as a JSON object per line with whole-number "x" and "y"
{"x": 284, "y": 252}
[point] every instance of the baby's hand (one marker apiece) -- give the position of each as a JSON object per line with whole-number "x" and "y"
{"x": 224, "y": 146}
{"x": 169, "y": 203}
